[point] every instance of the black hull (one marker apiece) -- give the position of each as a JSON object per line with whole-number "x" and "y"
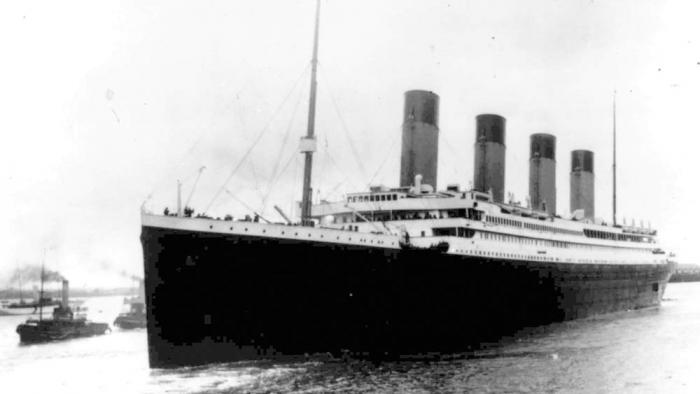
{"x": 130, "y": 322}
{"x": 216, "y": 297}
{"x": 50, "y": 331}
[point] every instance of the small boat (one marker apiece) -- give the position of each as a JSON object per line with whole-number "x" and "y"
{"x": 64, "y": 324}
{"x": 135, "y": 316}
{"x": 28, "y": 308}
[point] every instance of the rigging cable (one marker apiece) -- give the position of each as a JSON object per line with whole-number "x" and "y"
{"x": 185, "y": 179}
{"x": 333, "y": 162}
{"x": 201, "y": 169}
{"x": 386, "y": 156}
{"x": 257, "y": 140}
{"x": 203, "y": 132}
{"x": 255, "y": 179}
{"x": 345, "y": 128}
{"x": 454, "y": 154}
{"x": 274, "y": 180}
{"x": 333, "y": 190}
{"x": 275, "y": 174}
{"x": 295, "y": 174}
{"x": 329, "y": 159}
{"x": 246, "y": 205}
{"x": 324, "y": 171}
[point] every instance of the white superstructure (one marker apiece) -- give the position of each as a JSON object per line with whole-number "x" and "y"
{"x": 472, "y": 224}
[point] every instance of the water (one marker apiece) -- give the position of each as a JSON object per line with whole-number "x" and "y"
{"x": 649, "y": 351}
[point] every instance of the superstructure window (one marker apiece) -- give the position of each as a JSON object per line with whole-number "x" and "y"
{"x": 474, "y": 214}
{"x": 465, "y": 232}
{"x": 615, "y": 236}
{"x": 445, "y": 232}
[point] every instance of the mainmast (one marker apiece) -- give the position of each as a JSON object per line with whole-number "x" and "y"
{"x": 614, "y": 159}
{"x": 308, "y": 143}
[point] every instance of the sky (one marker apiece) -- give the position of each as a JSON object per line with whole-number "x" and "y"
{"x": 106, "y": 105}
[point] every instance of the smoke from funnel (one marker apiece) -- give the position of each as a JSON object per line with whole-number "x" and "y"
{"x": 32, "y": 273}
{"x": 110, "y": 266}
{"x": 130, "y": 276}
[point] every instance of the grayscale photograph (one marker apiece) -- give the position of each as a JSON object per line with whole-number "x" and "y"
{"x": 334, "y": 196}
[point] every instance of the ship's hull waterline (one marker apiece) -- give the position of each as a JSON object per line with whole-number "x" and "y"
{"x": 215, "y": 297}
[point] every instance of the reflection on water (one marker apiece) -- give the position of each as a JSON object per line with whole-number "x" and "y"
{"x": 655, "y": 350}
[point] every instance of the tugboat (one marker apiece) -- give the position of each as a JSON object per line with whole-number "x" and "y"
{"x": 136, "y": 316}
{"x": 63, "y": 325}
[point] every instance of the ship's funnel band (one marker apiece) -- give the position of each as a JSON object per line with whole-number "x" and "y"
{"x": 421, "y": 106}
{"x": 582, "y": 160}
{"x": 491, "y": 128}
{"x": 543, "y": 146}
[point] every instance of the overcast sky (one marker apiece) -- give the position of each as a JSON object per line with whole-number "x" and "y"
{"x": 106, "y": 104}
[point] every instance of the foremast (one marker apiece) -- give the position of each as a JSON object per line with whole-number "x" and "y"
{"x": 308, "y": 143}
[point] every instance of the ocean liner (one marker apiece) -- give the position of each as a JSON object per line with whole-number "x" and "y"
{"x": 409, "y": 271}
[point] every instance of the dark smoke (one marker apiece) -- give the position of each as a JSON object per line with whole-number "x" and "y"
{"x": 108, "y": 265}
{"x": 130, "y": 276}
{"x": 32, "y": 273}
